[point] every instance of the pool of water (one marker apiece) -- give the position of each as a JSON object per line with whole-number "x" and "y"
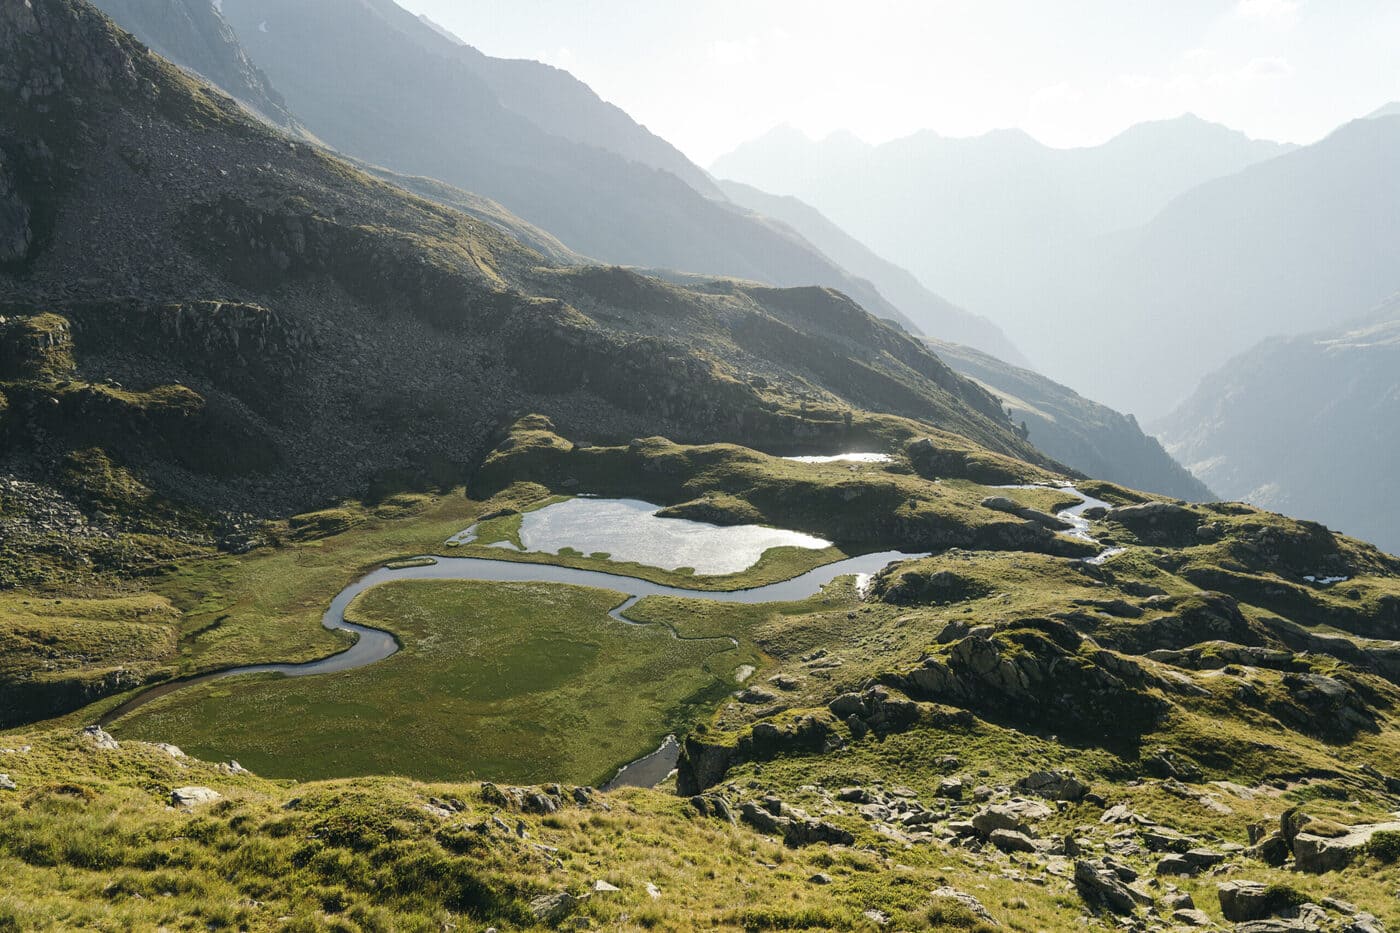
{"x": 845, "y": 458}
{"x": 629, "y": 530}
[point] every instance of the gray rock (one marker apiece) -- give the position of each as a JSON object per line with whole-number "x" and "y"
{"x": 820, "y": 877}
{"x": 1009, "y": 840}
{"x": 1191, "y": 917}
{"x": 972, "y": 904}
{"x": 1176, "y": 865}
{"x": 173, "y": 751}
{"x": 602, "y": 887}
{"x": 990, "y": 819}
{"x": 99, "y": 737}
{"x": 949, "y": 789}
{"x": 1241, "y": 901}
{"x": 554, "y": 908}
{"x": 6, "y": 783}
{"x": 1098, "y": 883}
{"x": 1053, "y": 785}
{"x": 187, "y": 798}
{"x": 1314, "y": 853}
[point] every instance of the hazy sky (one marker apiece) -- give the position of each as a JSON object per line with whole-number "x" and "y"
{"x": 710, "y": 74}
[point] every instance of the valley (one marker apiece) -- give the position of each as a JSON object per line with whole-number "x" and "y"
{"x": 382, "y": 555}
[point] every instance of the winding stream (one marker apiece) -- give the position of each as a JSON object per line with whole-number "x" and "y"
{"x": 373, "y": 645}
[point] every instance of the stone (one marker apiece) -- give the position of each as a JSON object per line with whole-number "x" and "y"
{"x": 1053, "y": 785}
{"x": 553, "y": 908}
{"x": 233, "y": 767}
{"x": 6, "y": 783}
{"x": 99, "y": 737}
{"x": 653, "y": 891}
{"x": 1243, "y": 900}
{"x": 187, "y": 798}
{"x": 602, "y": 887}
{"x": 1191, "y": 917}
{"x": 1202, "y": 859}
{"x": 949, "y": 789}
{"x": 990, "y": 819}
{"x": 1176, "y": 865}
{"x": 757, "y": 696}
{"x": 1315, "y": 853}
{"x": 1009, "y": 840}
{"x": 820, "y": 878}
{"x": 972, "y": 904}
{"x": 1162, "y": 839}
{"x": 173, "y": 751}
{"x": 1097, "y": 883}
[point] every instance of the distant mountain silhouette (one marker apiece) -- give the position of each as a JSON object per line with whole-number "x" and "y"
{"x": 1310, "y": 424}
{"x": 931, "y": 312}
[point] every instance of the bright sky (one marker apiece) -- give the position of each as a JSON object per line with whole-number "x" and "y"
{"x": 710, "y": 74}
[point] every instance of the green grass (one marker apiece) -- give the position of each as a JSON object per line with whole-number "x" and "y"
{"x": 516, "y": 682}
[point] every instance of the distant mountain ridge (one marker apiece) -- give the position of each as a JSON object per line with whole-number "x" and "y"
{"x": 932, "y": 313}
{"x": 1003, "y": 224}
{"x": 1308, "y": 423}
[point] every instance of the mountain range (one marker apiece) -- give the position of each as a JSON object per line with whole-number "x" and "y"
{"x": 398, "y": 91}
{"x": 1310, "y": 424}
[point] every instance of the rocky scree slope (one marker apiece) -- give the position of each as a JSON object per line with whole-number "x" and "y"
{"x": 253, "y": 325}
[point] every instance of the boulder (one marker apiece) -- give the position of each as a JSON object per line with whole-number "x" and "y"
{"x": 1241, "y": 901}
{"x": 7, "y": 784}
{"x": 1009, "y": 840}
{"x": 187, "y": 798}
{"x": 173, "y": 751}
{"x": 971, "y": 904}
{"x": 1191, "y": 917}
{"x": 949, "y": 789}
{"x": 999, "y": 817}
{"x": 1317, "y": 853}
{"x": 602, "y": 887}
{"x": 554, "y": 908}
{"x": 99, "y": 737}
{"x": 1053, "y": 785}
{"x": 1098, "y": 883}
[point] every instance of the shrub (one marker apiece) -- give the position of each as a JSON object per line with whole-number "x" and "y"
{"x": 1385, "y": 846}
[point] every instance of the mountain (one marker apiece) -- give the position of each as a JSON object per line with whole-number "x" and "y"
{"x": 195, "y": 35}
{"x": 227, "y": 277}
{"x": 1310, "y": 424}
{"x": 1391, "y": 109}
{"x": 402, "y": 711}
{"x": 1279, "y": 248}
{"x": 931, "y": 313}
{"x": 961, "y": 212}
{"x": 380, "y": 85}
{"x": 1092, "y": 438}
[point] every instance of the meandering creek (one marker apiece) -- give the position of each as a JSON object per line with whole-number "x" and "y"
{"x": 373, "y": 645}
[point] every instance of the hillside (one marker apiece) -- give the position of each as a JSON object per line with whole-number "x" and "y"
{"x": 1304, "y": 424}
{"x": 385, "y": 88}
{"x": 1092, "y": 438}
{"x": 196, "y": 36}
{"x": 190, "y": 288}
{"x": 931, "y": 313}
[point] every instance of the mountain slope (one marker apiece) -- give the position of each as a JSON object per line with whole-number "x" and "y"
{"x": 227, "y": 279}
{"x": 930, "y": 312}
{"x": 1310, "y": 424}
{"x": 196, "y": 36}
{"x": 1281, "y": 247}
{"x": 1092, "y": 438}
{"x": 378, "y": 84}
